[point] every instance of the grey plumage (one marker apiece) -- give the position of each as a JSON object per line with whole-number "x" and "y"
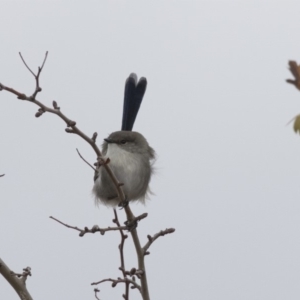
{"x": 131, "y": 160}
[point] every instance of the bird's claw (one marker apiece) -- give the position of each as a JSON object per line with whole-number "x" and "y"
{"x": 131, "y": 224}
{"x": 123, "y": 203}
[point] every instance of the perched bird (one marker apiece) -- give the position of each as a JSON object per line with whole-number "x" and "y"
{"x": 131, "y": 157}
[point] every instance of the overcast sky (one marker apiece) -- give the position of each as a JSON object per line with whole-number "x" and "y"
{"x": 215, "y": 111}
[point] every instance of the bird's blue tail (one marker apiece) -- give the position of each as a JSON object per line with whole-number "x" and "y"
{"x": 133, "y": 96}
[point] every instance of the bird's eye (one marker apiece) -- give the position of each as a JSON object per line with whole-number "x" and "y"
{"x": 123, "y": 142}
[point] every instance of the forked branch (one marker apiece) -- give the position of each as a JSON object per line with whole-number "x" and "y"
{"x": 17, "y": 281}
{"x": 86, "y": 230}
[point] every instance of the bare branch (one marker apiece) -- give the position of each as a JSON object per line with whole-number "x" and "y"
{"x": 85, "y": 160}
{"x": 121, "y": 246}
{"x": 41, "y": 68}
{"x": 119, "y": 280}
{"x": 24, "y": 275}
{"x": 8, "y": 89}
{"x": 140, "y": 254}
{"x": 17, "y": 281}
{"x": 151, "y": 239}
{"x": 2, "y": 175}
{"x": 96, "y": 292}
{"x": 94, "y": 229}
{"x": 94, "y": 137}
{"x": 121, "y": 250}
{"x": 24, "y": 62}
{"x": 132, "y": 223}
{"x": 36, "y": 76}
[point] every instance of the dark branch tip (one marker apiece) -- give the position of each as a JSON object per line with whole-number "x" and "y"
{"x": 132, "y": 271}
{"x": 69, "y": 130}
{"x": 94, "y": 137}
{"x": 71, "y": 123}
{"x": 291, "y": 81}
{"x": 22, "y": 97}
{"x": 38, "y": 114}
{"x": 55, "y": 106}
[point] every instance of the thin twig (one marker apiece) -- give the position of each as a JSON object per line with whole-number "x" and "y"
{"x": 121, "y": 250}
{"x": 121, "y": 246}
{"x": 151, "y": 239}
{"x": 85, "y": 160}
{"x": 96, "y": 292}
{"x": 94, "y": 229}
{"x": 119, "y": 280}
{"x": 24, "y": 62}
{"x": 46, "y": 55}
{"x": 37, "y": 75}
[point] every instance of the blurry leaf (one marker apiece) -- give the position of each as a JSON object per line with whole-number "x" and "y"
{"x": 297, "y": 124}
{"x": 295, "y": 70}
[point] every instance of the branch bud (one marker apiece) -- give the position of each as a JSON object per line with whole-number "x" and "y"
{"x": 71, "y": 123}
{"x": 22, "y": 97}
{"x": 95, "y": 134}
{"x": 55, "y": 106}
{"x": 132, "y": 271}
{"x": 39, "y": 113}
{"x": 69, "y": 130}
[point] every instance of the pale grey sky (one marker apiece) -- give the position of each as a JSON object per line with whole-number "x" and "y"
{"x": 215, "y": 111}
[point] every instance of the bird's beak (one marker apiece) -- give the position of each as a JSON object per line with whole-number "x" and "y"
{"x": 109, "y": 141}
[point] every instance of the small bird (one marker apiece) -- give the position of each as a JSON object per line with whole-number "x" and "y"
{"x": 131, "y": 157}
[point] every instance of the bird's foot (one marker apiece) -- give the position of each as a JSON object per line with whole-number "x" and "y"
{"x": 131, "y": 224}
{"x": 123, "y": 203}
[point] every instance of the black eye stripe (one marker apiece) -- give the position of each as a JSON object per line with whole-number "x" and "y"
{"x": 123, "y": 141}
